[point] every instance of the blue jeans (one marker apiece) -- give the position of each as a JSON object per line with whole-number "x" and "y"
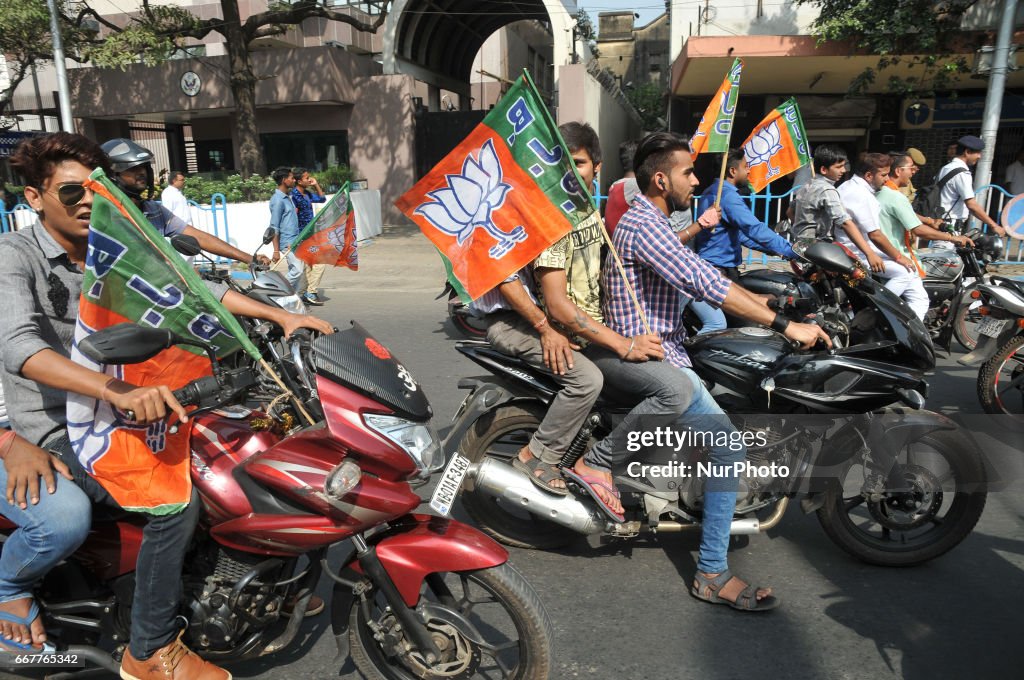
{"x": 674, "y": 396}
{"x": 711, "y": 318}
{"x": 158, "y": 585}
{"x": 47, "y": 533}
{"x": 705, "y": 415}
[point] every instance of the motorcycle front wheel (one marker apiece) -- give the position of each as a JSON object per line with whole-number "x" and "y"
{"x": 966, "y": 322}
{"x": 487, "y": 623}
{"x": 500, "y": 434}
{"x": 942, "y": 501}
{"x": 1001, "y": 381}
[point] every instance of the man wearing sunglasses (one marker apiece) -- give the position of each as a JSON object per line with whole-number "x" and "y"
{"x": 42, "y": 268}
{"x": 132, "y": 167}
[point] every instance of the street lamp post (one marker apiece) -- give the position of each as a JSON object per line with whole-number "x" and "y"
{"x": 63, "y": 91}
{"x": 994, "y": 98}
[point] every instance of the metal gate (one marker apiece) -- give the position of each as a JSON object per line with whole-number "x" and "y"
{"x": 437, "y": 133}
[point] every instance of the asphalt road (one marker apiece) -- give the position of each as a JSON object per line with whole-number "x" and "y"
{"x": 623, "y": 610}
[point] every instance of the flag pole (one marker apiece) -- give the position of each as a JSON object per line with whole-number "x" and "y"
{"x": 622, "y": 273}
{"x": 586, "y": 192}
{"x": 721, "y": 175}
{"x": 276, "y": 378}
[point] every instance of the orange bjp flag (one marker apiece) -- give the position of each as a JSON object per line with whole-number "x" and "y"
{"x": 715, "y": 127}
{"x": 503, "y": 195}
{"x": 777, "y": 146}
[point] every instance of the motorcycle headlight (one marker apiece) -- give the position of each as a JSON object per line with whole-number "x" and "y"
{"x": 419, "y": 440}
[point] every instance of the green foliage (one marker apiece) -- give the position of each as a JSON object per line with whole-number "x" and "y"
{"x": 922, "y": 34}
{"x": 234, "y": 188}
{"x": 649, "y": 101}
{"x": 586, "y": 32}
{"x": 255, "y": 188}
{"x": 332, "y": 178}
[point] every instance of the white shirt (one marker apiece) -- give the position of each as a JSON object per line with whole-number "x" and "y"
{"x": 493, "y": 301}
{"x": 958, "y": 190}
{"x": 1015, "y": 178}
{"x": 175, "y": 201}
{"x": 859, "y": 201}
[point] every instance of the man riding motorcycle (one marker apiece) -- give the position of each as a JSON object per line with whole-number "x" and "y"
{"x": 44, "y": 267}
{"x": 132, "y": 165}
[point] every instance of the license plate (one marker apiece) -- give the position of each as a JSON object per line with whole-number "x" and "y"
{"x": 443, "y": 498}
{"x": 991, "y": 327}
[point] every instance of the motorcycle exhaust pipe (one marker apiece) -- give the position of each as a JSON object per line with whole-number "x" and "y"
{"x": 503, "y": 482}
{"x": 739, "y": 527}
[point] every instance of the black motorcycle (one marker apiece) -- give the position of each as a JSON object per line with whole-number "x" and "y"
{"x": 1000, "y": 352}
{"x": 896, "y": 487}
{"x": 951, "y": 275}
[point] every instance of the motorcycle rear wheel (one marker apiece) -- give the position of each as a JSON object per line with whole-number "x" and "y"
{"x": 500, "y": 434}
{"x": 995, "y": 390}
{"x": 944, "y": 471}
{"x": 452, "y": 605}
{"x": 466, "y": 323}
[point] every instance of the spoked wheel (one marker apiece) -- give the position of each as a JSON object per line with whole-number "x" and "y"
{"x": 965, "y": 325}
{"x": 1001, "y": 381}
{"x": 936, "y": 508}
{"x": 500, "y": 434}
{"x": 487, "y": 623}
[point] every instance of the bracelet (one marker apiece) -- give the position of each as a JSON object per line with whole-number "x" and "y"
{"x": 540, "y": 324}
{"x": 780, "y": 323}
{"x": 632, "y": 343}
{"x": 6, "y": 439}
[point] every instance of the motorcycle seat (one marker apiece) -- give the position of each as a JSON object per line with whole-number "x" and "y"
{"x": 1015, "y": 284}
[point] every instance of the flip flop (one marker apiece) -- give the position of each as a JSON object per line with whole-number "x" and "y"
{"x": 548, "y": 473}
{"x": 706, "y": 589}
{"x": 587, "y": 483}
{"x": 20, "y": 647}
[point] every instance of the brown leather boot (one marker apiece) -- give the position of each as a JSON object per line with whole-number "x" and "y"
{"x": 174, "y": 662}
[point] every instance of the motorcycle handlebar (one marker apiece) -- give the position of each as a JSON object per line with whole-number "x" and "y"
{"x": 197, "y": 391}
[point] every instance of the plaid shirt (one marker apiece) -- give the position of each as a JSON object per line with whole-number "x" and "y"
{"x": 659, "y": 268}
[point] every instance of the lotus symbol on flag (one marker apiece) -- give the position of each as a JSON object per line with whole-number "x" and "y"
{"x": 468, "y": 201}
{"x": 763, "y": 146}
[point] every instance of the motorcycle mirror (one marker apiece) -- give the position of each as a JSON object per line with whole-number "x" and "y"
{"x": 830, "y": 257}
{"x": 269, "y": 235}
{"x": 186, "y": 245}
{"x": 126, "y": 343}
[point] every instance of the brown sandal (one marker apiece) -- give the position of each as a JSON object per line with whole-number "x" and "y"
{"x": 707, "y": 589}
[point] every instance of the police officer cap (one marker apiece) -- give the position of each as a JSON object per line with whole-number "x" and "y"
{"x": 971, "y": 142}
{"x": 916, "y": 156}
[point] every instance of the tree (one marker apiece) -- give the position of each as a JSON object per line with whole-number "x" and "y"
{"x": 154, "y": 33}
{"x": 923, "y": 34}
{"x": 649, "y": 101}
{"x": 25, "y": 40}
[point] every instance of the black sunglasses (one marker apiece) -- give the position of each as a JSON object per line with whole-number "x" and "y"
{"x": 70, "y": 194}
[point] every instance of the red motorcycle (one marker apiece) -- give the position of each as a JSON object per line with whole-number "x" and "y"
{"x": 418, "y": 596}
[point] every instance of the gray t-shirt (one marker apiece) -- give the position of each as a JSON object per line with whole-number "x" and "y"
{"x": 817, "y": 210}
{"x": 38, "y": 310}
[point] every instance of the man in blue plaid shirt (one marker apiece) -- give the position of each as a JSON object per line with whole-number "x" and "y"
{"x": 659, "y": 268}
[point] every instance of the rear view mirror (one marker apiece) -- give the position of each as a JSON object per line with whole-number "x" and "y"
{"x": 186, "y": 245}
{"x": 126, "y": 343}
{"x": 269, "y": 235}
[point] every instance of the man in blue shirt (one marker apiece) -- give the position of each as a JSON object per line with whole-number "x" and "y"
{"x": 285, "y": 221}
{"x": 305, "y": 193}
{"x": 723, "y": 246}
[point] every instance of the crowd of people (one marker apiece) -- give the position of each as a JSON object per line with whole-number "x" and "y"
{"x": 571, "y": 312}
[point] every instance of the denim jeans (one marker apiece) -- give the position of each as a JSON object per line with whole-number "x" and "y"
{"x": 677, "y": 397}
{"x": 47, "y": 533}
{"x": 295, "y": 268}
{"x": 165, "y": 539}
{"x": 711, "y": 318}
